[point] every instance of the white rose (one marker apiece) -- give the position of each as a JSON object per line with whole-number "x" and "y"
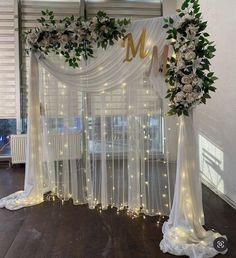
{"x": 94, "y": 35}
{"x": 71, "y": 27}
{"x": 188, "y": 88}
{"x": 190, "y": 98}
{"x": 179, "y": 96}
{"x": 95, "y": 20}
{"x": 180, "y": 64}
{"x": 64, "y": 39}
{"x": 186, "y": 79}
{"x": 86, "y": 25}
{"x": 104, "y": 28}
{"x": 32, "y": 37}
{"x": 187, "y": 17}
{"x": 179, "y": 23}
{"x": 189, "y": 55}
{"x": 93, "y": 26}
{"x": 191, "y": 46}
{"x": 60, "y": 27}
{"x": 192, "y": 29}
{"x": 104, "y": 19}
{"x": 183, "y": 48}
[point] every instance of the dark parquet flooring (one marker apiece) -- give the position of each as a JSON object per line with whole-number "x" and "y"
{"x": 50, "y": 230}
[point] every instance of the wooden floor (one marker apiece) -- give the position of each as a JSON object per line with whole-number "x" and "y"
{"x": 50, "y": 230}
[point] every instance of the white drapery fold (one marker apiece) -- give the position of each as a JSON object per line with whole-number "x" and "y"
{"x": 183, "y": 233}
{"x": 108, "y": 70}
{"x": 33, "y": 187}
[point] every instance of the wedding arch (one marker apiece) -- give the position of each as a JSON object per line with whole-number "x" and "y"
{"x": 96, "y": 130}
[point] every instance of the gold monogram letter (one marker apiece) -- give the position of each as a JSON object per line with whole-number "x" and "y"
{"x": 164, "y": 59}
{"x": 158, "y": 65}
{"x": 134, "y": 50}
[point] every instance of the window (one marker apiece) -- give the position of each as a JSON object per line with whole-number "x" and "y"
{"x": 137, "y": 9}
{"x": 30, "y": 12}
{"x": 8, "y": 60}
{"x": 9, "y": 89}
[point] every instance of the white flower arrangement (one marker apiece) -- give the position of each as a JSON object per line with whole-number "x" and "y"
{"x": 188, "y": 71}
{"x": 74, "y": 37}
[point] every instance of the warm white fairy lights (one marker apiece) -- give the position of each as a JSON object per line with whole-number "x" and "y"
{"x": 146, "y": 158}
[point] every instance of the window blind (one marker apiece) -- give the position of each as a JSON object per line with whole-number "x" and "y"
{"x": 134, "y": 10}
{"x": 30, "y": 12}
{"x": 8, "y": 53}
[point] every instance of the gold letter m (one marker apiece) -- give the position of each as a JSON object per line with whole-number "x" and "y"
{"x": 134, "y": 50}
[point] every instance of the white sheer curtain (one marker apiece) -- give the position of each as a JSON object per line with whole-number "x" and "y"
{"x": 110, "y": 149}
{"x": 183, "y": 232}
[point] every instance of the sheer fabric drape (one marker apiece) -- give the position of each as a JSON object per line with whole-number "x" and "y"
{"x": 183, "y": 233}
{"x": 105, "y": 148}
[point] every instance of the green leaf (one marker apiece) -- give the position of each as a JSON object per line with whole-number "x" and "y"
{"x": 171, "y": 21}
{"x": 171, "y": 112}
{"x": 185, "y": 112}
{"x": 170, "y": 36}
{"x": 179, "y": 112}
{"x": 168, "y": 95}
{"x": 214, "y": 78}
{"x": 210, "y": 74}
{"x": 198, "y": 15}
{"x": 206, "y": 95}
{"x": 211, "y": 88}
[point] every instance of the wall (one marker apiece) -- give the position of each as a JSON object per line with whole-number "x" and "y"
{"x": 216, "y": 122}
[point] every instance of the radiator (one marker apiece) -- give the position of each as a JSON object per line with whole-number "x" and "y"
{"x": 18, "y": 148}
{"x": 62, "y": 147}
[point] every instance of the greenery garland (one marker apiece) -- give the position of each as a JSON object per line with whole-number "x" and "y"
{"x": 188, "y": 71}
{"x": 74, "y": 37}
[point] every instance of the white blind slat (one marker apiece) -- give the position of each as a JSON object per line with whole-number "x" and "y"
{"x": 30, "y": 12}
{"x": 7, "y": 60}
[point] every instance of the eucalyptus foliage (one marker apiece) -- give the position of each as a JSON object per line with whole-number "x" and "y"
{"x": 74, "y": 37}
{"x": 188, "y": 70}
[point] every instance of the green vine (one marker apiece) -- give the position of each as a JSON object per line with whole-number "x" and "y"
{"x": 74, "y": 37}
